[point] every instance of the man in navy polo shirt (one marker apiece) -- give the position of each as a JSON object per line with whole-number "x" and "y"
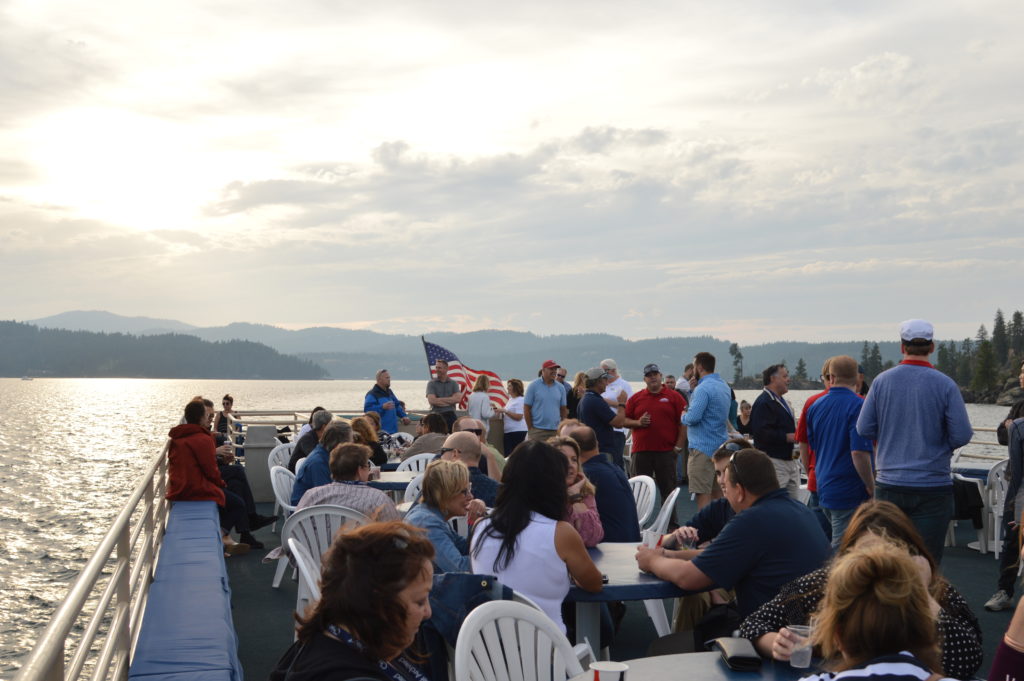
{"x": 614, "y": 496}
{"x": 842, "y": 458}
{"x": 594, "y": 412}
{"x": 771, "y": 541}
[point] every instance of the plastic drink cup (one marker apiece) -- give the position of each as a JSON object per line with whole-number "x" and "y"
{"x": 609, "y": 671}
{"x": 801, "y": 657}
{"x": 650, "y": 538}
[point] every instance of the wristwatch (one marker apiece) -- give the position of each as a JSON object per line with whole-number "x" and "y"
{"x": 621, "y": 405}
{"x": 575, "y": 498}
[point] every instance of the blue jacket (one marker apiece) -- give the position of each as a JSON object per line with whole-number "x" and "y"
{"x": 451, "y": 552}
{"x": 375, "y": 400}
{"x": 315, "y": 472}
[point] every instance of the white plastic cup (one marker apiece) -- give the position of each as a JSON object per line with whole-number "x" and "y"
{"x": 650, "y": 538}
{"x": 801, "y": 657}
{"x": 609, "y": 671}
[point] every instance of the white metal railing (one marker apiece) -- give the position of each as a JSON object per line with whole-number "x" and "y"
{"x": 130, "y": 551}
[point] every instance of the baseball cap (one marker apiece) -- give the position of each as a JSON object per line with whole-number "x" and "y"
{"x": 916, "y": 330}
{"x": 651, "y": 369}
{"x": 550, "y": 364}
{"x": 595, "y": 373}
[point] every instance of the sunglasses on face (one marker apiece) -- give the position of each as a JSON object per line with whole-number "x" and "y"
{"x": 475, "y": 431}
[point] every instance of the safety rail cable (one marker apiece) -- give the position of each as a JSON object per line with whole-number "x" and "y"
{"x": 127, "y": 582}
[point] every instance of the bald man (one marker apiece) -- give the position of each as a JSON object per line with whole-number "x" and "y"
{"x": 465, "y": 446}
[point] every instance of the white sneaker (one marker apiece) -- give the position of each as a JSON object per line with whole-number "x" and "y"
{"x": 1000, "y": 601}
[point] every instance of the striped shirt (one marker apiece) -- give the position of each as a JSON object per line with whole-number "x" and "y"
{"x": 358, "y": 496}
{"x": 899, "y": 667}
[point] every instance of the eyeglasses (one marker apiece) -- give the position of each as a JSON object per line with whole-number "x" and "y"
{"x": 475, "y": 431}
{"x": 561, "y": 375}
{"x": 735, "y": 470}
{"x": 366, "y": 465}
{"x": 466, "y": 492}
{"x": 445, "y": 450}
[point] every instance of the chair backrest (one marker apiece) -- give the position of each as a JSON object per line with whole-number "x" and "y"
{"x": 997, "y": 485}
{"x": 417, "y": 463}
{"x": 660, "y": 524}
{"x": 513, "y": 641}
{"x": 460, "y": 524}
{"x": 643, "y": 494}
{"x": 300, "y": 463}
{"x": 315, "y": 526}
{"x": 309, "y": 575}
{"x": 282, "y": 480}
{"x": 412, "y": 491}
{"x": 280, "y": 454}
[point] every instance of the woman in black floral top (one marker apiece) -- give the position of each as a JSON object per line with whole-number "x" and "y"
{"x": 958, "y": 630}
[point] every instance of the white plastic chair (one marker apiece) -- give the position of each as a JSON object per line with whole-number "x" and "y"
{"x": 513, "y": 642}
{"x": 279, "y": 456}
{"x": 417, "y": 463}
{"x": 995, "y": 498}
{"x": 460, "y": 524}
{"x": 644, "y": 492}
{"x": 315, "y": 527}
{"x": 309, "y": 576}
{"x": 282, "y": 480}
{"x": 656, "y": 607}
{"x": 300, "y": 463}
{"x": 412, "y": 491}
{"x": 983, "y": 532}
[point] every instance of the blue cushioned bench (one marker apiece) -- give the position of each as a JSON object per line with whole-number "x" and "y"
{"x": 187, "y": 631}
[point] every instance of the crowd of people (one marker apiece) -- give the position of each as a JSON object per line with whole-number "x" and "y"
{"x": 857, "y": 548}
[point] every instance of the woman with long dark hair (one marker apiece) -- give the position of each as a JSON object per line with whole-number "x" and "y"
{"x": 524, "y": 542}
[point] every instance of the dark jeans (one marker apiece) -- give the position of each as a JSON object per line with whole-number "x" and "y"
{"x": 618, "y": 447}
{"x": 1010, "y": 554}
{"x": 234, "y": 477}
{"x": 233, "y": 513}
{"x": 826, "y": 526}
{"x": 449, "y": 418}
{"x": 659, "y": 465}
{"x": 930, "y": 510}
{"x": 511, "y": 440}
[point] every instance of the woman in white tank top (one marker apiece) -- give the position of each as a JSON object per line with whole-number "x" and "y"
{"x": 523, "y": 542}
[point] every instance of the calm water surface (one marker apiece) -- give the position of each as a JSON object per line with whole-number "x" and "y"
{"x": 72, "y": 450}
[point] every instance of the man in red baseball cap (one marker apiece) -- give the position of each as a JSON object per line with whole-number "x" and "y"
{"x": 544, "y": 405}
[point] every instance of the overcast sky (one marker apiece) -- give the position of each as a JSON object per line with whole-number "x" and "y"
{"x": 752, "y": 170}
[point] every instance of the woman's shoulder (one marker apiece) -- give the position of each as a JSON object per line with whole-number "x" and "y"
{"x": 324, "y": 659}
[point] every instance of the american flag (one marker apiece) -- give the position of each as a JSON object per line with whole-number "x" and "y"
{"x": 463, "y": 375}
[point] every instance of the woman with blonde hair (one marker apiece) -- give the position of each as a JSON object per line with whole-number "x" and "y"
{"x": 955, "y": 625}
{"x": 581, "y": 510}
{"x": 363, "y": 432}
{"x": 446, "y": 493}
{"x": 479, "y": 405}
{"x": 575, "y": 393}
{"x": 877, "y": 619}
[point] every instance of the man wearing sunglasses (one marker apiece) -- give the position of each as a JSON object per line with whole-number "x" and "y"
{"x": 771, "y": 541}
{"x": 465, "y": 447}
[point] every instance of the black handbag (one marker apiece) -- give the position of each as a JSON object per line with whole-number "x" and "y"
{"x": 738, "y": 654}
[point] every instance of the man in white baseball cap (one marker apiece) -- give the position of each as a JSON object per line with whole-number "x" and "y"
{"x": 917, "y": 417}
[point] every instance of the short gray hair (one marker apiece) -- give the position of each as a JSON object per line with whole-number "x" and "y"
{"x": 321, "y": 419}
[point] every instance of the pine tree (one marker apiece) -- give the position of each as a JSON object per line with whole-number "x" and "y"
{"x": 737, "y": 362}
{"x": 865, "y": 355}
{"x": 946, "y": 362}
{"x": 964, "y": 362}
{"x": 984, "y": 367}
{"x": 1000, "y": 341}
{"x": 801, "y": 369}
{"x": 874, "y": 365}
{"x": 982, "y": 334}
{"x": 1016, "y": 335}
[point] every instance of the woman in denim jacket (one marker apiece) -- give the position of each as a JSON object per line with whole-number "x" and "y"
{"x": 446, "y": 494}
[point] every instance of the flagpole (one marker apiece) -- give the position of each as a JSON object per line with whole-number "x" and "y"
{"x": 430, "y": 374}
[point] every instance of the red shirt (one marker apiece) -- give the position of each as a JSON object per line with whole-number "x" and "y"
{"x": 666, "y": 409}
{"x": 801, "y": 436}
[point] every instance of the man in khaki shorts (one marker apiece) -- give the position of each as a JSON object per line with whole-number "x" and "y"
{"x": 705, "y": 420}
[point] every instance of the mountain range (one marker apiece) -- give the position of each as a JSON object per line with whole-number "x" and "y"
{"x": 358, "y": 354}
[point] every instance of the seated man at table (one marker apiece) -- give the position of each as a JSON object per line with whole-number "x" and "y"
{"x": 614, "y": 496}
{"x": 350, "y": 469}
{"x": 772, "y": 540}
{"x": 491, "y": 461}
{"x": 431, "y": 431}
{"x": 465, "y": 447}
{"x": 317, "y": 469}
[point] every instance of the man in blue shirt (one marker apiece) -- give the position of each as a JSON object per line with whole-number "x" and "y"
{"x": 614, "y": 496}
{"x": 317, "y": 469}
{"x": 705, "y": 420}
{"x": 772, "y": 540}
{"x": 382, "y": 400}
{"x": 545, "y": 404}
{"x": 466, "y": 448}
{"x": 917, "y": 417}
{"x": 594, "y": 412}
{"x": 842, "y": 457}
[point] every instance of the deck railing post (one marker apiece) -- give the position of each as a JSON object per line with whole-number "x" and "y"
{"x": 123, "y": 598}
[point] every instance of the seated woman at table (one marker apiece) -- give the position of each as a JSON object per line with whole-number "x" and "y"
{"x": 350, "y": 636}
{"x": 877, "y": 617}
{"x": 956, "y": 626}
{"x": 581, "y": 511}
{"x": 524, "y": 542}
{"x": 446, "y": 494}
{"x": 364, "y": 432}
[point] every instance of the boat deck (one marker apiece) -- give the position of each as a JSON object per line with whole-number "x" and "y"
{"x": 263, "y": 615}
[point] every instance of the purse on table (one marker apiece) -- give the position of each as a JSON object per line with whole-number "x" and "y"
{"x": 738, "y": 654}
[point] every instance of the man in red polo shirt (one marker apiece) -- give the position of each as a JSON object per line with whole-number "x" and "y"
{"x": 656, "y": 444}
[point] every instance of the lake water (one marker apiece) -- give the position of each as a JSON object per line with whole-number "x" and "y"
{"x": 71, "y": 451}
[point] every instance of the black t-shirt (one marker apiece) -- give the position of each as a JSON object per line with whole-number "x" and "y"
{"x": 325, "y": 659}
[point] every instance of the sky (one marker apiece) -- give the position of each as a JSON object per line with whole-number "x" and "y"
{"x": 756, "y": 171}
